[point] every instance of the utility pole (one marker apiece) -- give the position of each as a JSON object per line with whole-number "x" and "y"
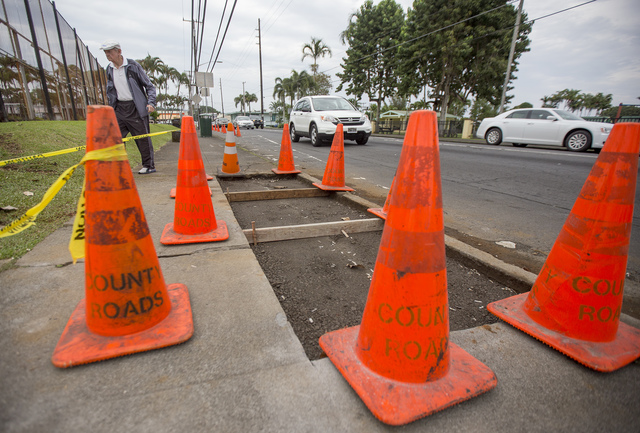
{"x": 221, "y": 100}
{"x": 507, "y": 78}
{"x": 261, "y": 88}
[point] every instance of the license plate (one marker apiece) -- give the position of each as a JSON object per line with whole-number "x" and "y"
{"x": 351, "y": 130}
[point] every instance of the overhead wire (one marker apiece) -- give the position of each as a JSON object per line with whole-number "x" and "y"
{"x": 215, "y": 43}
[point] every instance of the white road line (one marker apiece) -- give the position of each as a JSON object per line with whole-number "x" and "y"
{"x": 506, "y": 149}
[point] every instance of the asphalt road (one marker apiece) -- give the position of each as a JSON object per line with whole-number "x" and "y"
{"x": 492, "y": 193}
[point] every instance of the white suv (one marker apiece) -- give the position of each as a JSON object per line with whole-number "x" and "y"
{"x": 317, "y": 117}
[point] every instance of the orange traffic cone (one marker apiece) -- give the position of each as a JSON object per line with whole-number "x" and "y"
{"x": 400, "y": 360}
{"x": 127, "y": 307}
{"x": 382, "y": 212}
{"x": 574, "y": 305}
{"x": 285, "y": 163}
{"x": 333, "y": 179}
{"x": 238, "y": 134}
{"x": 194, "y": 218}
{"x": 230, "y": 163}
{"x": 224, "y": 129}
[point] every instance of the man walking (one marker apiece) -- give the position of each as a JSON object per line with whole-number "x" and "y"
{"x": 133, "y": 97}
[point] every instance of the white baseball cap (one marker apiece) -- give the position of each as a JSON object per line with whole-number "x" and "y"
{"x": 110, "y": 44}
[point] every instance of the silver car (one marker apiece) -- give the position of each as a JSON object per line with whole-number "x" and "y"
{"x": 243, "y": 122}
{"x": 548, "y": 126}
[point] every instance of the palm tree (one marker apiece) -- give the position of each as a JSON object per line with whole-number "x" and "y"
{"x": 317, "y": 48}
{"x": 239, "y": 100}
{"x": 151, "y": 65}
{"x": 280, "y": 93}
{"x": 301, "y": 84}
{"x": 182, "y": 78}
{"x": 249, "y": 98}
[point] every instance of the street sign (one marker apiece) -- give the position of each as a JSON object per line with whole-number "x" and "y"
{"x": 204, "y": 79}
{"x": 196, "y": 99}
{"x": 204, "y": 91}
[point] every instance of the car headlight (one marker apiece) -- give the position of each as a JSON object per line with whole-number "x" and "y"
{"x": 330, "y": 118}
{"x": 605, "y": 129}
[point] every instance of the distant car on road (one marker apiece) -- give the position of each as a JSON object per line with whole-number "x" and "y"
{"x": 222, "y": 121}
{"x": 544, "y": 126}
{"x": 243, "y": 122}
{"x": 258, "y": 123}
{"x": 317, "y": 117}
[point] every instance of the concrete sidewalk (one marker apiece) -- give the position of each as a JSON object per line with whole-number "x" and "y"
{"x": 244, "y": 370}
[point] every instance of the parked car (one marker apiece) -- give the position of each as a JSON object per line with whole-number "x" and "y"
{"x": 317, "y": 117}
{"x": 243, "y": 122}
{"x": 258, "y": 123}
{"x": 544, "y": 126}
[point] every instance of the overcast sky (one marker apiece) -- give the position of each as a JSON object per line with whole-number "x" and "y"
{"x": 592, "y": 48}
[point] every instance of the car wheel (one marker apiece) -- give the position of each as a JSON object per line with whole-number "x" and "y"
{"x": 292, "y": 131}
{"x": 519, "y": 144}
{"x": 362, "y": 140}
{"x": 261, "y": 126}
{"x": 313, "y": 135}
{"x": 578, "y": 141}
{"x": 493, "y": 136}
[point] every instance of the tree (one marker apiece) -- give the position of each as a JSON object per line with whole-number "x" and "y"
{"x": 280, "y": 93}
{"x": 524, "y": 105}
{"x": 249, "y": 98}
{"x": 371, "y": 64}
{"x": 323, "y": 84}
{"x": 317, "y": 48}
{"x": 482, "y": 109}
{"x": 151, "y": 66}
{"x": 458, "y": 56}
{"x": 575, "y": 100}
{"x": 239, "y": 100}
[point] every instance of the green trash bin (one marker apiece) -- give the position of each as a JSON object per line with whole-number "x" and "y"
{"x": 205, "y": 126}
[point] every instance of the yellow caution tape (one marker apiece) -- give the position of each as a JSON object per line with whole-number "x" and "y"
{"x": 146, "y": 135}
{"x": 116, "y": 152}
{"x": 76, "y": 244}
{"x": 72, "y": 149}
{"x": 42, "y": 155}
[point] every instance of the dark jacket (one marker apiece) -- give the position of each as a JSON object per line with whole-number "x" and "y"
{"x": 143, "y": 91}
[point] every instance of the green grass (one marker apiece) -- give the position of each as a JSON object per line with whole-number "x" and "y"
{"x": 19, "y": 139}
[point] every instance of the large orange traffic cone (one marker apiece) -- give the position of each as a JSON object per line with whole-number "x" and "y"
{"x": 238, "y": 134}
{"x": 230, "y": 163}
{"x": 285, "y": 163}
{"x": 574, "y": 305}
{"x": 194, "y": 218}
{"x": 127, "y": 307}
{"x": 382, "y": 212}
{"x": 400, "y": 360}
{"x": 333, "y": 179}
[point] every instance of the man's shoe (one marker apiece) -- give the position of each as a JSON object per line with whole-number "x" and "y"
{"x": 147, "y": 170}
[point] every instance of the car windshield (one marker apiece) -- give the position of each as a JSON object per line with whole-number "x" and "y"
{"x": 331, "y": 104}
{"x": 242, "y": 118}
{"x": 566, "y": 115}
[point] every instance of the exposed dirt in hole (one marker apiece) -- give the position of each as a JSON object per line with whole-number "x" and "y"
{"x": 322, "y": 283}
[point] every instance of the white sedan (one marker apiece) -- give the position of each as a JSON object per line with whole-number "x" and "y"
{"x": 544, "y": 126}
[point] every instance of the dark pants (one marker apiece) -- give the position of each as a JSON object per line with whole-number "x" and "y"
{"x": 130, "y": 121}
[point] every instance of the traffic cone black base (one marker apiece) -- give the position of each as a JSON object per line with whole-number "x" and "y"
{"x": 396, "y": 403}
{"x": 600, "y": 356}
{"x": 78, "y": 345}
{"x": 170, "y": 237}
